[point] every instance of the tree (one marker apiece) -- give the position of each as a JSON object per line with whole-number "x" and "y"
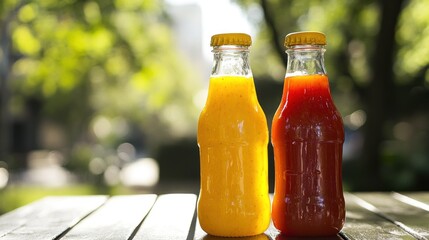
{"x": 111, "y": 64}
{"x": 374, "y": 60}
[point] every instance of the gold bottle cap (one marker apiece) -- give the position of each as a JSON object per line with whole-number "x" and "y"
{"x": 241, "y": 39}
{"x": 305, "y": 38}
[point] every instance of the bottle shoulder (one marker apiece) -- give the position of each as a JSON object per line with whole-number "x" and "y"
{"x": 232, "y": 112}
{"x": 305, "y": 122}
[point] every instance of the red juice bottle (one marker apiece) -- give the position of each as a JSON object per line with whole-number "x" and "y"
{"x": 307, "y": 137}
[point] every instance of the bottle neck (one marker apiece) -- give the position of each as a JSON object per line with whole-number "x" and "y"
{"x": 305, "y": 60}
{"x": 231, "y": 60}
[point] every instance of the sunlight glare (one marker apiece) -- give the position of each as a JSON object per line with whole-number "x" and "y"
{"x": 142, "y": 173}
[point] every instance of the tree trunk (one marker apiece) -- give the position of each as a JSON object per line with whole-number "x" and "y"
{"x": 4, "y": 92}
{"x": 275, "y": 36}
{"x": 5, "y": 123}
{"x": 380, "y": 95}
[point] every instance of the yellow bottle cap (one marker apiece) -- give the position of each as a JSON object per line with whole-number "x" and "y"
{"x": 241, "y": 39}
{"x": 305, "y": 38}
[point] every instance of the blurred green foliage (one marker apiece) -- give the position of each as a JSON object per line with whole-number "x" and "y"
{"x": 351, "y": 28}
{"x": 16, "y": 196}
{"x": 399, "y": 115}
{"x": 114, "y": 61}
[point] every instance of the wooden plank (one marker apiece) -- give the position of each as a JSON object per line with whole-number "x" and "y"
{"x": 413, "y": 220}
{"x": 116, "y": 219}
{"x": 257, "y": 237}
{"x": 417, "y": 199}
{"x": 48, "y": 218}
{"x": 199, "y": 232}
{"x": 170, "y": 218}
{"x": 420, "y": 196}
{"x": 362, "y": 224}
{"x": 17, "y": 218}
{"x": 270, "y": 233}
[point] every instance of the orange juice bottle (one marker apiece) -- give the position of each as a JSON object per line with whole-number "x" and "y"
{"x": 233, "y": 139}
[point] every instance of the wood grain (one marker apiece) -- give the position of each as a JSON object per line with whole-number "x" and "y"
{"x": 48, "y": 218}
{"x": 173, "y": 216}
{"x": 362, "y": 224}
{"x": 170, "y": 218}
{"x": 116, "y": 219}
{"x": 410, "y": 218}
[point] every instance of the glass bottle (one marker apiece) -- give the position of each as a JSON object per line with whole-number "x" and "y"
{"x": 307, "y": 137}
{"x": 233, "y": 139}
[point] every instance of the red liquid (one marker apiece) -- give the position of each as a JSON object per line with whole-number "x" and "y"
{"x": 307, "y": 137}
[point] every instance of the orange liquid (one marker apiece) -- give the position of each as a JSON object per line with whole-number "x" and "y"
{"x": 233, "y": 139}
{"x": 307, "y": 137}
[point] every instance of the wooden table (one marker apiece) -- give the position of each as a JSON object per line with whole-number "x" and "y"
{"x": 173, "y": 216}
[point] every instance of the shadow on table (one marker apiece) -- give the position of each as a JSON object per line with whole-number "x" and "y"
{"x": 282, "y": 237}
{"x": 257, "y": 237}
{"x": 266, "y": 237}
